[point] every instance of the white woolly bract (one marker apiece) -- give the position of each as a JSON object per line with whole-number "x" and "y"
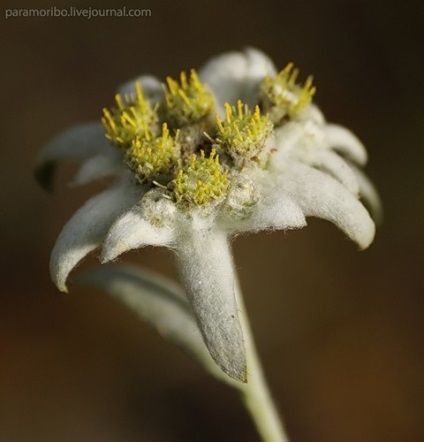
{"x": 151, "y": 86}
{"x": 344, "y": 141}
{"x": 98, "y": 166}
{"x": 207, "y": 272}
{"x": 235, "y": 76}
{"x": 321, "y": 196}
{"x": 86, "y": 230}
{"x": 77, "y": 143}
{"x": 132, "y": 231}
{"x": 331, "y": 163}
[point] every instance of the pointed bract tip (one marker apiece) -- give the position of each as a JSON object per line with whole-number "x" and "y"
{"x": 238, "y": 373}
{"x": 44, "y": 174}
{"x": 62, "y": 287}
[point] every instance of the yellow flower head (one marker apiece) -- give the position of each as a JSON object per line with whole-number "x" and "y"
{"x": 242, "y": 135}
{"x": 202, "y": 182}
{"x": 283, "y": 97}
{"x": 188, "y": 101}
{"x": 151, "y": 157}
{"x": 131, "y": 119}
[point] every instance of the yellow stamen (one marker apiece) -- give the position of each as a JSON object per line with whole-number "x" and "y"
{"x": 202, "y": 182}
{"x": 189, "y": 101}
{"x": 133, "y": 118}
{"x": 242, "y": 134}
{"x": 283, "y": 97}
{"x": 151, "y": 157}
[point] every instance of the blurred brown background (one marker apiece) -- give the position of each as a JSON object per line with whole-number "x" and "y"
{"x": 340, "y": 332}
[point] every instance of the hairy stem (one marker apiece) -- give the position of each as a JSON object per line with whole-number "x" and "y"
{"x": 255, "y": 394}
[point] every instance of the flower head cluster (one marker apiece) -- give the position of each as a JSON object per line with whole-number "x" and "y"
{"x": 235, "y": 148}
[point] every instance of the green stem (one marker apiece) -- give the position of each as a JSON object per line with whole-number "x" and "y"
{"x": 255, "y": 394}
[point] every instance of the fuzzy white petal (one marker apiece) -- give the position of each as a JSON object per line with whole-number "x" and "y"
{"x": 77, "y": 143}
{"x": 370, "y": 195}
{"x": 328, "y": 161}
{"x": 287, "y": 138}
{"x": 274, "y": 211}
{"x": 236, "y": 75}
{"x": 99, "y": 166}
{"x": 207, "y": 272}
{"x": 151, "y": 86}
{"x": 132, "y": 231}
{"x": 342, "y": 140}
{"x": 313, "y": 113}
{"x": 297, "y": 139}
{"x": 87, "y": 228}
{"x": 278, "y": 211}
{"x": 321, "y": 196}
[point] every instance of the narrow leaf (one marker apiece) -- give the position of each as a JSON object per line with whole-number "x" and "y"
{"x": 157, "y": 301}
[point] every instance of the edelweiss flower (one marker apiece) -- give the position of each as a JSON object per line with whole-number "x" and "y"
{"x": 237, "y": 148}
